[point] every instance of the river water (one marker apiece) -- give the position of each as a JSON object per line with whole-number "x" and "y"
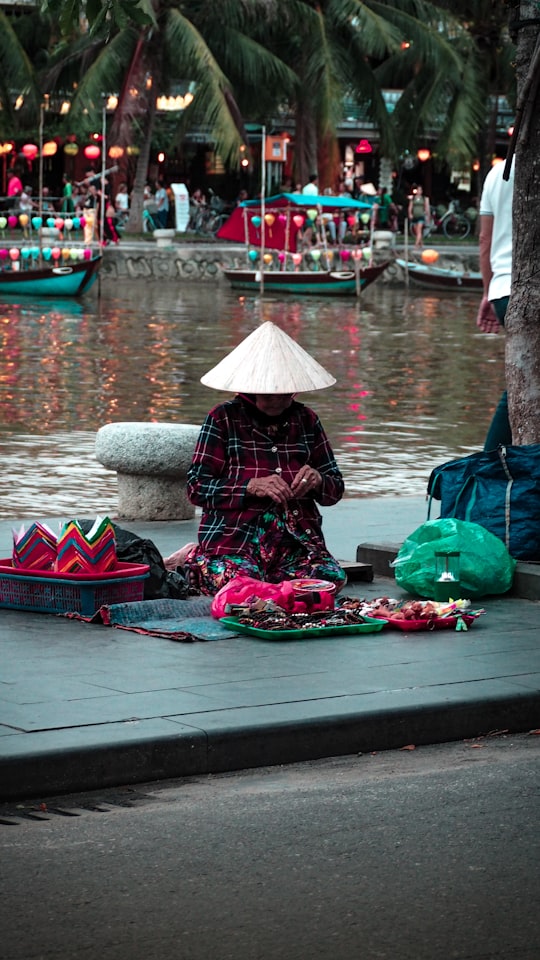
{"x": 417, "y": 382}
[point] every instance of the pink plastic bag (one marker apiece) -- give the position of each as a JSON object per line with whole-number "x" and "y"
{"x": 294, "y": 596}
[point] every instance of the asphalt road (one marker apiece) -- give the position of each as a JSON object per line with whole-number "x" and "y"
{"x": 426, "y": 854}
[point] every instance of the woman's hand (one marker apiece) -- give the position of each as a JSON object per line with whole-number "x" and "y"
{"x": 272, "y": 486}
{"x": 306, "y": 481}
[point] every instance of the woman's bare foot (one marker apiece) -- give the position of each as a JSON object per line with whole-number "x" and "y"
{"x": 179, "y": 558}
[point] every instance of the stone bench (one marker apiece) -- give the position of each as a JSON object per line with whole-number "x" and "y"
{"x": 151, "y": 461}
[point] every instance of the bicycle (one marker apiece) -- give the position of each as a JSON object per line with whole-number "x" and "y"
{"x": 454, "y": 224}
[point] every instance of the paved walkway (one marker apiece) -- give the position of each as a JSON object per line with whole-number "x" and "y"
{"x": 83, "y": 706}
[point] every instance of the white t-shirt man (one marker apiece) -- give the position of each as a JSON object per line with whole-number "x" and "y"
{"x": 311, "y": 189}
{"x": 496, "y": 203}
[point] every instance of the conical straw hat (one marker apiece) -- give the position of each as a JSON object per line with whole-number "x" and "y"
{"x": 268, "y": 361}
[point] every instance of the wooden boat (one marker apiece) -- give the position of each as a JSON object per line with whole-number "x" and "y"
{"x": 332, "y": 282}
{"x": 441, "y": 278}
{"x": 61, "y": 280}
{"x": 277, "y": 224}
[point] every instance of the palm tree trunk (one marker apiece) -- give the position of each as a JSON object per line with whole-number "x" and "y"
{"x": 134, "y": 223}
{"x": 522, "y": 326}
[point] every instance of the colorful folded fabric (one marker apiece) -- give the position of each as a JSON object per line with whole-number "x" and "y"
{"x": 79, "y": 552}
{"x": 35, "y": 548}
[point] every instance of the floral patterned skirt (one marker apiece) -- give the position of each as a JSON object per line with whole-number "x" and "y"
{"x": 274, "y": 555}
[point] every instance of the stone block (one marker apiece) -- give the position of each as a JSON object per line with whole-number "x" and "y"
{"x": 151, "y": 461}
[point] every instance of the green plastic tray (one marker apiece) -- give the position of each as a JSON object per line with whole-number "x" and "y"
{"x": 371, "y": 625}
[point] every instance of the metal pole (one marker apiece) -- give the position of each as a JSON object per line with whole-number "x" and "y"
{"x": 263, "y": 203}
{"x": 40, "y": 188}
{"x": 103, "y": 162}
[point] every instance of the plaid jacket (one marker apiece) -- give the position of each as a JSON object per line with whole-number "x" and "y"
{"x": 232, "y": 448}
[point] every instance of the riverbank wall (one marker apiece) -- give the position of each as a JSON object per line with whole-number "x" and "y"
{"x": 133, "y": 261}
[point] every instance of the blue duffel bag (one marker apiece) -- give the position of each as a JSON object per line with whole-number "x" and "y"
{"x": 500, "y": 490}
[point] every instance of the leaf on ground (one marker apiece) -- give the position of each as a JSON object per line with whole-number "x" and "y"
{"x": 410, "y": 746}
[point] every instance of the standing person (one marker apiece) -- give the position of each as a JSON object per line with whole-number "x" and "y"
{"x": 496, "y": 267}
{"x": 67, "y": 195}
{"x": 311, "y": 188}
{"x": 121, "y": 204}
{"x": 15, "y": 187}
{"x": 261, "y": 465}
{"x": 162, "y": 204}
{"x": 419, "y": 213}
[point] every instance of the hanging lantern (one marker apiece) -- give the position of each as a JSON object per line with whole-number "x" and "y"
{"x": 14, "y": 253}
{"x": 345, "y": 254}
{"x": 363, "y": 146}
{"x": 68, "y": 224}
{"x": 133, "y": 151}
{"x": 298, "y": 221}
{"x": 269, "y": 219}
{"x": 56, "y": 253}
{"x": 116, "y": 152}
{"x": 296, "y": 259}
{"x": 49, "y": 148}
{"x": 351, "y": 220}
{"x": 12, "y": 221}
{"x": 253, "y": 255}
{"x": 92, "y": 151}
{"x": 30, "y": 151}
{"x": 315, "y": 255}
{"x": 256, "y": 221}
{"x": 429, "y": 256}
{"x": 312, "y": 214}
{"x": 71, "y": 149}
{"x": 23, "y": 219}
{"x": 268, "y": 258}
{"x": 357, "y": 253}
{"x": 423, "y": 154}
{"x": 5, "y": 148}
{"x": 3, "y": 223}
{"x": 37, "y": 223}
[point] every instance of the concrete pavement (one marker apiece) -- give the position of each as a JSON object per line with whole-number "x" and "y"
{"x": 84, "y": 706}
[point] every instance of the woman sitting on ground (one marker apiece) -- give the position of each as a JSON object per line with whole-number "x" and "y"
{"x": 261, "y": 465}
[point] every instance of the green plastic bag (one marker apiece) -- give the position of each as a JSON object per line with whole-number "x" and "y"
{"x": 485, "y": 565}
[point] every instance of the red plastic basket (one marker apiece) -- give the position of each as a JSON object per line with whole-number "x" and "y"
{"x": 45, "y": 592}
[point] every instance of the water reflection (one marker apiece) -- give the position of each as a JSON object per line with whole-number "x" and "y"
{"x": 416, "y": 381}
